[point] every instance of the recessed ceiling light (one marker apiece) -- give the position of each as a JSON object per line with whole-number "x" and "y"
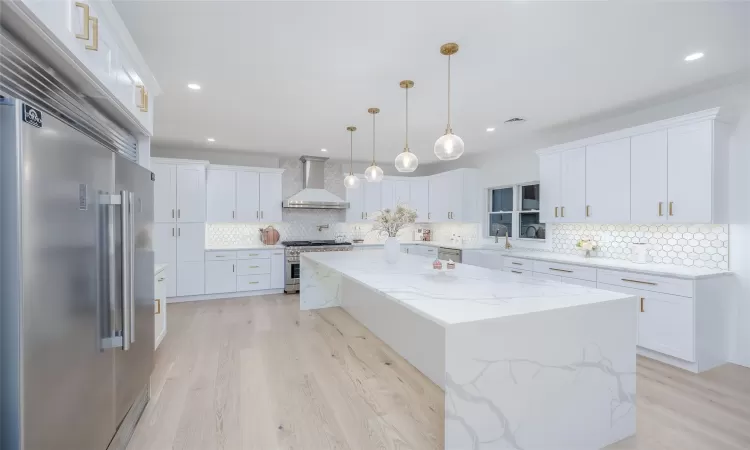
{"x": 694, "y": 56}
{"x": 490, "y": 129}
{"x": 211, "y": 139}
{"x": 195, "y": 87}
{"x": 323, "y": 149}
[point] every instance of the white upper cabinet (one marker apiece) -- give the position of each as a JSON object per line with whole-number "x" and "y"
{"x": 243, "y": 194}
{"x": 438, "y": 201}
{"x": 689, "y": 175}
{"x": 356, "y": 199}
{"x": 372, "y": 196}
{"x": 220, "y": 194}
{"x": 387, "y": 198}
{"x": 271, "y": 196}
{"x": 608, "y": 190}
{"x": 419, "y": 198}
{"x": 549, "y": 187}
{"x": 247, "y": 197}
{"x": 165, "y": 192}
{"x": 191, "y": 193}
{"x": 402, "y": 193}
{"x": 673, "y": 170}
{"x": 573, "y": 185}
{"x": 648, "y": 177}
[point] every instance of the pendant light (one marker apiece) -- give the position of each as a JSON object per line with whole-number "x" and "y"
{"x": 407, "y": 161}
{"x": 449, "y": 146}
{"x": 351, "y": 181}
{"x": 373, "y": 174}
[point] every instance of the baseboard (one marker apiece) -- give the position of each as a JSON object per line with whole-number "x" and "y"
{"x": 200, "y": 298}
{"x": 666, "y": 359}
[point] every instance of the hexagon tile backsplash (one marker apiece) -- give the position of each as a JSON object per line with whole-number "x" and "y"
{"x": 682, "y": 245}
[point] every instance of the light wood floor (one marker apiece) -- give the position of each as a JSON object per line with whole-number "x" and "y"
{"x": 256, "y": 373}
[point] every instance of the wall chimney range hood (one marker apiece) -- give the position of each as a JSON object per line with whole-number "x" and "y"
{"x": 313, "y": 195}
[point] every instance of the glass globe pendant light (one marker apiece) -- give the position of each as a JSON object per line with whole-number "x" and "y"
{"x": 449, "y": 146}
{"x": 407, "y": 161}
{"x": 351, "y": 181}
{"x": 373, "y": 174}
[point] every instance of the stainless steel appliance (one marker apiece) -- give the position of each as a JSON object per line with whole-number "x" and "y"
{"x": 449, "y": 253}
{"x": 291, "y": 255}
{"x": 76, "y": 317}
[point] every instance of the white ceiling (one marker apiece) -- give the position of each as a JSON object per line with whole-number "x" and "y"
{"x": 289, "y": 77}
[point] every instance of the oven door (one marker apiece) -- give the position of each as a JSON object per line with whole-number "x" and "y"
{"x": 291, "y": 274}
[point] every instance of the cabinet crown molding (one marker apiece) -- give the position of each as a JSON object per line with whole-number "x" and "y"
{"x": 246, "y": 168}
{"x": 687, "y": 119}
{"x": 179, "y": 161}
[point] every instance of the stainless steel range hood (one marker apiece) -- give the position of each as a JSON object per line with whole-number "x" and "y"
{"x": 313, "y": 195}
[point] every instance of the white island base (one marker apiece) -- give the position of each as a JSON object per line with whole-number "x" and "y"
{"x": 524, "y": 363}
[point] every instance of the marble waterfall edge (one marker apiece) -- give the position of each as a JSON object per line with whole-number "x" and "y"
{"x": 320, "y": 286}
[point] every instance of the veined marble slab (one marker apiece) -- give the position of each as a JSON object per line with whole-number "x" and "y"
{"x": 525, "y": 364}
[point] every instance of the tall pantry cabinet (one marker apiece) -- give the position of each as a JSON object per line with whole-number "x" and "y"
{"x": 180, "y": 223}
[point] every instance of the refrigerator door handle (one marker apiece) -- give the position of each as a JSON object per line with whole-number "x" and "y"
{"x": 125, "y": 254}
{"x": 131, "y": 228}
{"x": 113, "y": 340}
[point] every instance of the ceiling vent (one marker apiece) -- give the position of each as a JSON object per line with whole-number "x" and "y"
{"x": 515, "y": 120}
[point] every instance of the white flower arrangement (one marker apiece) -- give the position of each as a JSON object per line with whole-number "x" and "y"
{"x": 390, "y": 222}
{"x": 586, "y": 244}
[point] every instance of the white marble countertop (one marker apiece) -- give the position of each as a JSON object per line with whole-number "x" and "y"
{"x": 245, "y": 247}
{"x": 465, "y": 294}
{"x": 466, "y": 246}
{"x": 158, "y": 268}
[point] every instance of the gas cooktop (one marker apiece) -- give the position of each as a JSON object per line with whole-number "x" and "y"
{"x": 312, "y": 243}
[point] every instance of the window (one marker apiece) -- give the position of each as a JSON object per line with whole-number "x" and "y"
{"x": 515, "y": 210}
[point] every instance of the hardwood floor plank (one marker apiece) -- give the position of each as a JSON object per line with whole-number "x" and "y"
{"x": 257, "y": 373}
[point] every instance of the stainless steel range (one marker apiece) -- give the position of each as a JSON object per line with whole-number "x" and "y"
{"x": 291, "y": 254}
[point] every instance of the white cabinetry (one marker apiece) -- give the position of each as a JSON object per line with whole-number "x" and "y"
{"x": 669, "y": 171}
{"x": 270, "y": 196}
{"x": 191, "y": 193}
{"x": 278, "y": 266}
{"x": 483, "y": 258}
{"x": 244, "y": 271}
{"x": 387, "y": 195}
{"x": 221, "y": 189}
{"x": 221, "y": 277}
{"x": 419, "y": 198}
{"x": 608, "y": 190}
{"x": 243, "y": 194}
{"x": 247, "y": 196}
{"x": 356, "y": 199}
{"x": 160, "y": 307}
{"x": 165, "y": 192}
{"x": 372, "y": 199}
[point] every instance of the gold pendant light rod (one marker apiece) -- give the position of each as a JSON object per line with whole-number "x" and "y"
{"x": 351, "y": 131}
{"x": 449, "y": 49}
{"x": 373, "y": 111}
{"x": 407, "y": 84}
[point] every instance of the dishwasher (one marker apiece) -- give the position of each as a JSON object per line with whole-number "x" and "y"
{"x": 449, "y": 253}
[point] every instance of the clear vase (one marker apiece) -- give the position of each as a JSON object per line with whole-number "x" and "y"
{"x": 392, "y": 250}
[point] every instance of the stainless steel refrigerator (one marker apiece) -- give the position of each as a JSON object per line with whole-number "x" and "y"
{"x": 77, "y": 316}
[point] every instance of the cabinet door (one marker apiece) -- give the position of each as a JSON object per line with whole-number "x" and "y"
{"x": 573, "y": 185}
{"x": 665, "y": 324}
{"x": 221, "y": 277}
{"x": 165, "y": 192}
{"x": 221, "y": 196}
{"x": 248, "y": 196}
{"x": 372, "y": 199}
{"x": 387, "y": 195}
{"x": 648, "y": 177}
{"x": 160, "y": 307}
{"x": 278, "y": 266}
{"x": 191, "y": 193}
{"x": 689, "y": 184}
{"x": 165, "y": 252}
{"x": 437, "y": 198}
{"x": 402, "y": 193}
{"x": 608, "y": 182}
{"x": 419, "y": 198}
{"x": 454, "y": 192}
{"x": 270, "y": 197}
{"x": 190, "y": 278}
{"x": 356, "y": 199}
{"x": 549, "y": 187}
{"x": 191, "y": 242}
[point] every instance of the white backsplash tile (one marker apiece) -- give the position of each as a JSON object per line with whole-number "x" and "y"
{"x": 683, "y": 245}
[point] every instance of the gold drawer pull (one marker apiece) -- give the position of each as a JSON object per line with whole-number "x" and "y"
{"x": 560, "y": 270}
{"x": 517, "y": 263}
{"x": 143, "y": 106}
{"x": 95, "y": 27}
{"x": 670, "y": 209}
{"x": 158, "y": 306}
{"x": 86, "y": 17}
{"x": 515, "y": 271}
{"x": 562, "y": 211}
{"x": 219, "y": 256}
{"x": 588, "y": 210}
{"x": 253, "y": 282}
{"x": 253, "y": 267}
{"x": 639, "y": 282}
{"x": 556, "y": 211}
{"x": 660, "y": 213}
{"x": 642, "y": 304}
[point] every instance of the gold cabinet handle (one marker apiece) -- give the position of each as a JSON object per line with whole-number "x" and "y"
{"x": 642, "y": 304}
{"x": 253, "y": 282}
{"x": 556, "y": 208}
{"x": 95, "y": 28}
{"x": 660, "y": 213}
{"x": 639, "y": 282}
{"x": 562, "y": 211}
{"x": 517, "y": 263}
{"x": 158, "y": 306}
{"x": 560, "y": 270}
{"x": 253, "y": 267}
{"x": 252, "y": 254}
{"x": 86, "y": 18}
{"x": 588, "y": 210}
{"x": 143, "y": 106}
{"x": 670, "y": 209}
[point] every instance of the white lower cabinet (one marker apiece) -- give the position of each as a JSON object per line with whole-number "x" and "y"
{"x": 221, "y": 277}
{"x": 546, "y": 276}
{"x": 520, "y": 272}
{"x": 253, "y": 282}
{"x": 160, "y": 307}
{"x": 278, "y": 266}
{"x": 190, "y": 278}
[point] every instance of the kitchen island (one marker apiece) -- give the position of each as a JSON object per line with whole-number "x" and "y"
{"x": 524, "y": 363}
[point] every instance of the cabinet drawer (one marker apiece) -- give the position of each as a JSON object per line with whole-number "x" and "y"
{"x": 253, "y": 282}
{"x": 520, "y": 272}
{"x": 428, "y": 251}
{"x": 253, "y": 266}
{"x": 565, "y": 270}
{"x": 220, "y": 256}
{"x": 546, "y": 276}
{"x": 655, "y": 283}
{"x": 587, "y": 283}
{"x": 253, "y": 254}
{"x": 517, "y": 263}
